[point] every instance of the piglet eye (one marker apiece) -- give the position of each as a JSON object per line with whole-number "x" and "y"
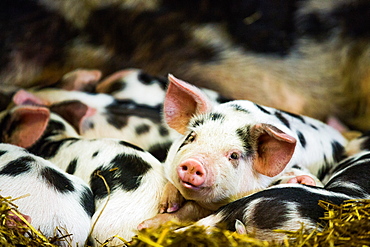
{"x": 234, "y": 156}
{"x": 190, "y": 138}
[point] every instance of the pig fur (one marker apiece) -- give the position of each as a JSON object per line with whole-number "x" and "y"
{"x": 297, "y": 204}
{"x": 239, "y": 147}
{"x": 57, "y": 203}
{"x": 134, "y": 177}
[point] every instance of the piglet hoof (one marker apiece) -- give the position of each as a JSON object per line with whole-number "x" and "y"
{"x": 171, "y": 200}
{"x": 302, "y": 179}
{"x": 14, "y": 222}
{"x": 155, "y": 222}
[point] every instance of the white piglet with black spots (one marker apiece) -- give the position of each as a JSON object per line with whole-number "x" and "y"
{"x": 126, "y": 181}
{"x": 58, "y": 204}
{"x": 230, "y": 150}
{"x": 294, "y": 205}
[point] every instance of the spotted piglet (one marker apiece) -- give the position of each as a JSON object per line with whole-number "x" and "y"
{"x": 230, "y": 150}
{"x": 296, "y": 204}
{"x": 143, "y": 88}
{"x": 134, "y": 177}
{"x": 57, "y": 203}
{"x": 101, "y": 115}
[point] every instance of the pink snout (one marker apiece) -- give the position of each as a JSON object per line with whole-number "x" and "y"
{"x": 192, "y": 173}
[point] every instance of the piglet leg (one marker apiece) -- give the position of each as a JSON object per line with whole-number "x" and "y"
{"x": 14, "y": 222}
{"x": 189, "y": 212}
{"x": 171, "y": 199}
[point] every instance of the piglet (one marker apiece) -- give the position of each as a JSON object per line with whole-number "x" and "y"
{"x": 236, "y": 148}
{"x": 126, "y": 181}
{"x": 143, "y": 88}
{"x": 101, "y": 115}
{"x": 56, "y": 203}
{"x": 295, "y": 204}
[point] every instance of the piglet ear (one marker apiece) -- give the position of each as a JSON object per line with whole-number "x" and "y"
{"x": 104, "y": 86}
{"x": 74, "y": 112}
{"x": 80, "y": 79}
{"x": 26, "y": 125}
{"x": 22, "y": 97}
{"x": 274, "y": 149}
{"x": 182, "y": 102}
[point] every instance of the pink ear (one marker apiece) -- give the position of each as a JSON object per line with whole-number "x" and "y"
{"x": 74, "y": 112}
{"x": 103, "y": 86}
{"x": 23, "y": 97}
{"x": 302, "y": 179}
{"x": 79, "y": 79}
{"x": 182, "y": 102}
{"x": 26, "y": 126}
{"x": 275, "y": 149}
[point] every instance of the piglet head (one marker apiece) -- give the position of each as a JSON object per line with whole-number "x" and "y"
{"x": 80, "y": 80}
{"x": 224, "y": 154}
{"x": 24, "y": 125}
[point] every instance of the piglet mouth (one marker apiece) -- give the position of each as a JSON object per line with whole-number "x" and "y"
{"x": 190, "y": 186}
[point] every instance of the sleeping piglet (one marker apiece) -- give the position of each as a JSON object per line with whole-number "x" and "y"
{"x": 56, "y": 203}
{"x": 134, "y": 177}
{"x": 230, "y": 150}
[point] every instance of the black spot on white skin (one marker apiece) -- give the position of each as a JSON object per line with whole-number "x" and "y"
{"x": 338, "y": 151}
{"x": 18, "y": 166}
{"x": 95, "y": 154}
{"x": 142, "y": 129}
{"x": 262, "y": 108}
{"x": 71, "y": 169}
{"x": 245, "y": 138}
{"x": 163, "y": 131}
{"x": 146, "y": 78}
{"x": 48, "y": 149}
{"x": 87, "y": 201}
{"x": 91, "y": 125}
{"x": 324, "y": 169}
{"x": 160, "y": 150}
{"x": 126, "y": 108}
{"x": 313, "y": 126}
{"x": 302, "y": 139}
{"x": 299, "y": 117}
{"x": 200, "y": 120}
{"x": 127, "y": 144}
{"x": 116, "y": 86}
{"x": 239, "y": 108}
{"x": 57, "y": 180}
{"x": 282, "y": 119}
{"x": 124, "y": 172}
{"x": 216, "y": 116}
{"x": 2, "y": 152}
{"x": 197, "y": 122}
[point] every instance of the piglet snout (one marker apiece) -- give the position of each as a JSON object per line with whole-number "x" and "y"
{"x": 192, "y": 173}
